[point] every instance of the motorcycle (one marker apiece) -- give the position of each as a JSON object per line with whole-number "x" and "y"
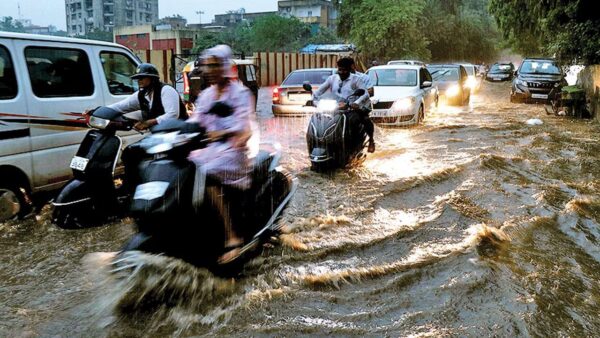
{"x": 332, "y": 142}
{"x": 169, "y": 203}
{"x": 91, "y": 198}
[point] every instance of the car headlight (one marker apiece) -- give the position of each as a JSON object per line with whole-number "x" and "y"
{"x": 404, "y": 103}
{"x": 521, "y": 82}
{"x": 453, "y": 91}
{"x": 98, "y": 123}
{"x": 327, "y": 106}
{"x": 471, "y": 82}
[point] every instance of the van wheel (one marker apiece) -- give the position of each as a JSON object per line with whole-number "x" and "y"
{"x": 13, "y": 202}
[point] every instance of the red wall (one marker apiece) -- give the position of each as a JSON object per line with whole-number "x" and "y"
{"x": 134, "y": 41}
{"x": 187, "y": 43}
{"x": 164, "y": 44}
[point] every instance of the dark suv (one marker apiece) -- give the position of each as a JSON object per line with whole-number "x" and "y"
{"x": 536, "y": 79}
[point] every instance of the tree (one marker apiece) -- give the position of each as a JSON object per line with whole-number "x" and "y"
{"x": 568, "y": 30}
{"x": 98, "y": 34}
{"x": 8, "y": 24}
{"x": 275, "y": 33}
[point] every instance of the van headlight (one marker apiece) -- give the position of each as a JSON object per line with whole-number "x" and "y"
{"x": 453, "y": 91}
{"x": 98, "y": 123}
{"x": 404, "y": 103}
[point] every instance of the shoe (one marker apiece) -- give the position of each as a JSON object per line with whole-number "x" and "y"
{"x": 371, "y": 147}
{"x": 231, "y": 253}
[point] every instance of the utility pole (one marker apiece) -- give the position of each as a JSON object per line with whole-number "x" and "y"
{"x": 199, "y": 16}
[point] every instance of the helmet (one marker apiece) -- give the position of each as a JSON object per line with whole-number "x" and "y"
{"x": 145, "y": 70}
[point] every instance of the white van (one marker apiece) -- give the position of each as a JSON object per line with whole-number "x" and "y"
{"x": 46, "y": 83}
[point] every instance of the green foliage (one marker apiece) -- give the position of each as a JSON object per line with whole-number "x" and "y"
{"x": 439, "y": 30}
{"x": 98, "y": 34}
{"x": 266, "y": 34}
{"x": 568, "y": 30}
{"x": 8, "y": 24}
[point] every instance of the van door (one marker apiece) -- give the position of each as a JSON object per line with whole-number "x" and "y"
{"x": 115, "y": 68}
{"x": 15, "y": 144}
{"x": 61, "y": 85}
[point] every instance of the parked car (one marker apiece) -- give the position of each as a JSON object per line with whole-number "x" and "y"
{"x": 46, "y": 83}
{"x": 403, "y": 94}
{"x": 473, "y": 80}
{"x": 406, "y": 62}
{"x": 537, "y": 79}
{"x": 451, "y": 81}
{"x": 289, "y": 98}
{"x": 500, "y": 72}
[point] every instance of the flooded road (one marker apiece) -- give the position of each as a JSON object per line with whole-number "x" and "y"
{"x": 473, "y": 224}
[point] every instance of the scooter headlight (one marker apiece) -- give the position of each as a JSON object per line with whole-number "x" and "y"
{"x": 98, "y": 123}
{"x": 327, "y": 106}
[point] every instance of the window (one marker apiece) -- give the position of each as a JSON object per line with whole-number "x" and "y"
{"x": 393, "y": 77}
{"x": 59, "y": 72}
{"x": 309, "y": 14}
{"x": 8, "y": 80}
{"x": 73, "y": 16}
{"x": 117, "y": 69}
{"x": 315, "y": 77}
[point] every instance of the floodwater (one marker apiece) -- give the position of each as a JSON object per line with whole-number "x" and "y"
{"x": 473, "y": 224}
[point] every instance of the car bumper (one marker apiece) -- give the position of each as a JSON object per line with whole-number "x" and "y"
{"x": 386, "y": 118}
{"x": 521, "y": 93}
{"x": 291, "y": 110}
{"x": 497, "y": 79}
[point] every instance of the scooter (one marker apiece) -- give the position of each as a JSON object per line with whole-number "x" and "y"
{"x": 170, "y": 209}
{"x": 91, "y": 198}
{"x": 332, "y": 141}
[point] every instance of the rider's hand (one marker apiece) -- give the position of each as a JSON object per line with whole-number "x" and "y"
{"x": 143, "y": 125}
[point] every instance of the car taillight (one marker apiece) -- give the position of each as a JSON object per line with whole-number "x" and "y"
{"x": 276, "y": 94}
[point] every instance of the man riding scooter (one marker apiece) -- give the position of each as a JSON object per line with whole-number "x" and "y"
{"x": 343, "y": 84}
{"x": 155, "y": 109}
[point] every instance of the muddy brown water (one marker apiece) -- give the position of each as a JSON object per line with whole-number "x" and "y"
{"x": 473, "y": 224}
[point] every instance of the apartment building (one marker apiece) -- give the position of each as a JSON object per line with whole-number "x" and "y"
{"x": 317, "y": 13}
{"x": 84, "y": 16}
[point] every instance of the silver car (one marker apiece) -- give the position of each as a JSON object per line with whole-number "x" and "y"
{"x": 290, "y": 98}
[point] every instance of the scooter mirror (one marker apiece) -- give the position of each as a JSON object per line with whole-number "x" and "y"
{"x": 359, "y": 92}
{"x": 306, "y": 85}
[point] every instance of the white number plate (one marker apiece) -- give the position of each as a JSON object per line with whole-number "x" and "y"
{"x": 300, "y": 97}
{"x": 497, "y": 78}
{"x": 539, "y": 96}
{"x": 79, "y": 163}
{"x": 379, "y": 113}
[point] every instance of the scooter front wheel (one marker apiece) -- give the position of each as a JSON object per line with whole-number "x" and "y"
{"x": 79, "y": 216}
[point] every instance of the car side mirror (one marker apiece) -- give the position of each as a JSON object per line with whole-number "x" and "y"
{"x": 426, "y": 84}
{"x": 516, "y": 72}
{"x": 306, "y": 86}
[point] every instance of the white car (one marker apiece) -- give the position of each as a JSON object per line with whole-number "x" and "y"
{"x": 406, "y": 62}
{"x": 403, "y": 94}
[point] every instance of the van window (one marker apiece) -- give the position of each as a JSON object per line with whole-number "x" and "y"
{"x": 59, "y": 72}
{"x": 118, "y": 68}
{"x": 250, "y": 73}
{"x": 8, "y": 81}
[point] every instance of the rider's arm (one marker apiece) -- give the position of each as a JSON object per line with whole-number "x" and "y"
{"x": 323, "y": 88}
{"x": 170, "y": 101}
{"x": 361, "y": 85}
{"x": 127, "y": 105}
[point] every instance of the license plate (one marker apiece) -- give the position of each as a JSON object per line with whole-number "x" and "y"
{"x": 79, "y": 163}
{"x": 539, "y": 96}
{"x": 300, "y": 97}
{"x": 379, "y": 113}
{"x": 496, "y": 78}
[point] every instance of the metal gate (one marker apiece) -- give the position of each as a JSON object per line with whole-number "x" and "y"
{"x": 178, "y": 62}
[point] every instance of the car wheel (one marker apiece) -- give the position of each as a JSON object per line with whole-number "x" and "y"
{"x": 13, "y": 202}
{"x": 421, "y": 115}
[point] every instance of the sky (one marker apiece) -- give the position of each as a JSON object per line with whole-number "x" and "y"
{"x": 52, "y": 12}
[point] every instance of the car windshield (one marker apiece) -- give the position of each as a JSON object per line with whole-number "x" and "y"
{"x": 443, "y": 74}
{"x": 539, "y": 67}
{"x": 500, "y": 68}
{"x": 393, "y": 77}
{"x": 313, "y": 77}
{"x": 470, "y": 69}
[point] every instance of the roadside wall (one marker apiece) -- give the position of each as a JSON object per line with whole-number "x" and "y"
{"x": 589, "y": 79}
{"x": 274, "y": 67}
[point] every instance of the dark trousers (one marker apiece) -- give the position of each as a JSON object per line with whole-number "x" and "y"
{"x": 362, "y": 117}
{"x": 132, "y": 156}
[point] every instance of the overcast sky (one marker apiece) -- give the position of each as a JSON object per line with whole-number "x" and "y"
{"x": 52, "y": 12}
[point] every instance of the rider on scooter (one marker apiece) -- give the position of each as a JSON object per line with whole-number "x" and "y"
{"x": 225, "y": 111}
{"x": 343, "y": 84}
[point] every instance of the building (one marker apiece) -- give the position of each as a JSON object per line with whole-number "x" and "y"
{"x": 233, "y": 18}
{"x": 317, "y": 13}
{"x": 84, "y": 16}
{"x": 142, "y": 39}
{"x": 174, "y": 22}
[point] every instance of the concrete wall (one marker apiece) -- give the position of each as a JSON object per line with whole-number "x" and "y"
{"x": 589, "y": 79}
